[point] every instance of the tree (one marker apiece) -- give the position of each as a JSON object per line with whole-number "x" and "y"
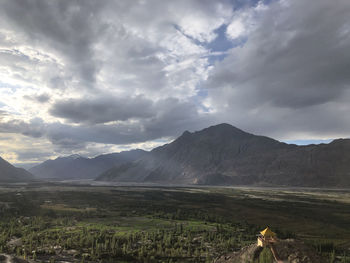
{"x": 266, "y": 256}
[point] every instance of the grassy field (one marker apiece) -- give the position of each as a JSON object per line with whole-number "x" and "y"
{"x": 74, "y": 223}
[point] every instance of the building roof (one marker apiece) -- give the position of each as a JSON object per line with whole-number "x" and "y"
{"x": 267, "y": 233}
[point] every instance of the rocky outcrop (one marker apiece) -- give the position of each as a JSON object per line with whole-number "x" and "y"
{"x": 289, "y": 250}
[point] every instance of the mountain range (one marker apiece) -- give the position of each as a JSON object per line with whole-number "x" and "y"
{"x": 225, "y": 155}
{"x": 78, "y": 167}
{"x": 11, "y": 174}
{"x": 218, "y": 155}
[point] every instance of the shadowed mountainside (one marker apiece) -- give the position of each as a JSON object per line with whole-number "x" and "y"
{"x": 11, "y": 174}
{"x": 225, "y": 155}
{"x": 77, "y": 167}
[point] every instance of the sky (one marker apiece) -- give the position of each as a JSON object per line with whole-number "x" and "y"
{"x": 90, "y": 77}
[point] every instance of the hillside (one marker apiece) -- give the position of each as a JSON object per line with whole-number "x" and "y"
{"x": 289, "y": 250}
{"x": 77, "y": 167}
{"x": 11, "y": 174}
{"x": 223, "y": 154}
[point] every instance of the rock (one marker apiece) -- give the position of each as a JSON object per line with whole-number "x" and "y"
{"x": 289, "y": 250}
{"x": 15, "y": 242}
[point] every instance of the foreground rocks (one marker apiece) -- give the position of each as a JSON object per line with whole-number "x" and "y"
{"x": 246, "y": 254}
{"x": 289, "y": 250}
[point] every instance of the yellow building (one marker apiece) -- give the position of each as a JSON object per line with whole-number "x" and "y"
{"x": 265, "y": 237}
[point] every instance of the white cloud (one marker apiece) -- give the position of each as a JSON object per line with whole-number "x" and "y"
{"x": 244, "y": 21}
{"x": 235, "y": 29}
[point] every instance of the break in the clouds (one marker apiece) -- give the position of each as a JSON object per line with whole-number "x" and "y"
{"x": 98, "y": 76}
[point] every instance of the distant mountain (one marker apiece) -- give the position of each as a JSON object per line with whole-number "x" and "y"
{"x": 225, "y": 155}
{"x": 11, "y": 174}
{"x": 77, "y": 167}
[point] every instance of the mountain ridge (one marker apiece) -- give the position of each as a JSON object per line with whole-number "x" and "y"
{"x": 224, "y": 154}
{"x": 78, "y": 167}
{"x": 12, "y": 174}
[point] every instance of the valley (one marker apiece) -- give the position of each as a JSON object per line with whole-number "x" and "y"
{"x": 56, "y": 222}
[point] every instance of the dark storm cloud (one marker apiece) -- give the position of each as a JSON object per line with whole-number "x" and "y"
{"x": 170, "y": 116}
{"x": 33, "y": 128}
{"x": 41, "y": 98}
{"x": 68, "y": 27}
{"x": 296, "y": 60}
{"x": 103, "y": 109}
{"x": 3, "y": 114}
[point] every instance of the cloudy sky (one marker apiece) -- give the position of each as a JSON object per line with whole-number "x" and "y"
{"x": 91, "y": 76}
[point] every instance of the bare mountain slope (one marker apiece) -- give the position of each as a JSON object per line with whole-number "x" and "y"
{"x": 11, "y": 174}
{"x": 77, "y": 167}
{"x": 223, "y": 154}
